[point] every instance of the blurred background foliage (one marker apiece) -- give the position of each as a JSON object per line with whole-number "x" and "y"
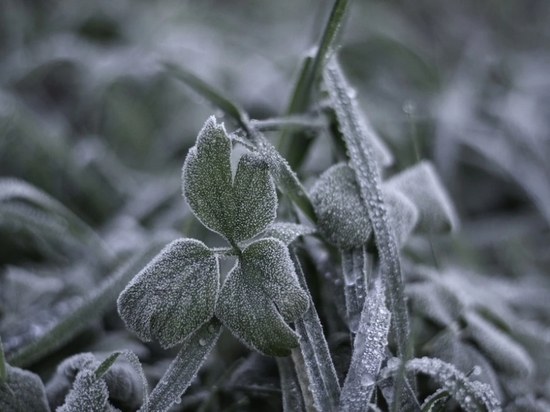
{"x": 89, "y": 116}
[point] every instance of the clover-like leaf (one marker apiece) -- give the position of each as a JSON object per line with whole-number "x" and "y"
{"x": 260, "y": 295}
{"x": 238, "y": 209}
{"x": 22, "y": 391}
{"x": 173, "y": 295}
{"x": 254, "y": 200}
{"x": 207, "y": 177}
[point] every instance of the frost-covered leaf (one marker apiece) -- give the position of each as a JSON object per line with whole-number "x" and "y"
{"x": 124, "y": 385}
{"x": 261, "y": 294}
{"x": 368, "y": 353}
{"x": 422, "y": 186}
{"x": 173, "y": 295}
{"x": 505, "y": 353}
{"x": 68, "y": 318}
{"x": 287, "y": 232}
{"x": 323, "y": 382}
{"x": 254, "y": 198}
{"x": 472, "y": 396}
{"x": 22, "y": 391}
{"x": 238, "y": 209}
{"x": 88, "y": 393}
{"x": 403, "y": 214}
{"x": 185, "y": 366}
{"x": 3, "y": 373}
{"x": 207, "y": 178}
{"x": 342, "y": 217}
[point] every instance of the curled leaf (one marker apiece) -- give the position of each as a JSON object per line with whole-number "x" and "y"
{"x": 260, "y": 295}
{"x": 173, "y": 295}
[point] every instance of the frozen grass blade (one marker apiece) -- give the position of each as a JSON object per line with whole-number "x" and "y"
{"x": 290, "y": 386}
{"x": 323, "y": 382}
{"x": 354, "y": 263}
{"x": 86, "y": 309}
{"x": 363, "y": 161}
{"x": 184, "y": 368}
{"x": 436, "y": 401}
{"x": 22, "y": 202}
{"x": 286, "y": 179}
{"x": 368, "y": 353}
{"x": 472, "y": 396}
{"x": 3, "y": 375}
{"x": 289, "y": 122}
{"x": 310, "y": 74}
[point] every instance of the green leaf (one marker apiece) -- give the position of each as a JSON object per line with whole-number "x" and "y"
{"x": 207, "y": 178}
{"x": 254, "y": 204}
{"x": 261, "y": 294}
{"x": 22, "y": 391}
{"x": 287, "y": 232}
{"x": 78, "y": 313}
{"x": 89, "y": 393}
{"x": 421, "y": 185}
{"x": 342, "y": 218}
{"x": 185, "y": 366}
{"x": 173, "y": 295}
{"x": 238, "y": 209}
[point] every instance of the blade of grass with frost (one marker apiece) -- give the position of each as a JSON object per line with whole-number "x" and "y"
{"x": 289, "y": 122}
{"x": 310, "y": 74}
{"x": 85, "y": 309}
{"x": 3, "y": 375}
{"x": 323, "y": 382}
{"x": 355, "y": 272}
{"x": 368, "y": 179}
{"x": 14, "y": 192}
{"x": 472, "y": 396}
{"x": 368, "y": 353}
{"x": 290, "y": 386}
{"x": 184, "y": 368}
{"x": 286, "y": 179}
{"x": 436, "y": 401}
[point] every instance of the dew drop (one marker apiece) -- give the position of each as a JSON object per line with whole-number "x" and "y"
{"x": 211, "y": 329}
{"x": 178, "y": 400}
{"x": 202, "y": 341}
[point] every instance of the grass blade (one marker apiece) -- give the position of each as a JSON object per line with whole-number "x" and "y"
{"x": 290, "y": 386}
{"x": 363, "y": 161}
{"x": 310, "y": 73}
{"x": 323, "y": 382}
{"x": 355, "y": 273}
{"x": 81, "y": 311}
{"x": 185, "y": 366}
{"x": 368, "y": 353}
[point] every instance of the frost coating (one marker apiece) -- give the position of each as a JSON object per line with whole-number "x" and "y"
{"x": 422, "y": 186}
{"x": 173, "y": 295}
{"x": 23, "y": 391}
{"x": 368, "y": 353}
{"x": 261, "y": 294}
{"x": 238, "y": 209}
{"x": 89, "y": 393}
